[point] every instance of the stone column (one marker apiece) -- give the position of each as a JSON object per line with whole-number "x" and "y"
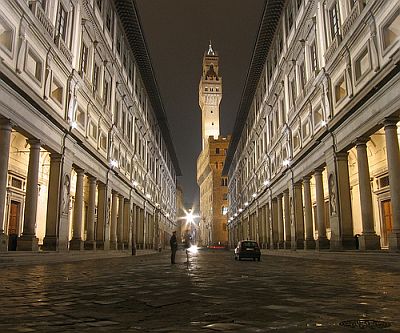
{"x": 5, "y": 139}
{"x": 267, "y": 221}
{"x": 286, "y": 205}
{"x": 134, "y": 232}
{"x": 309, "y": 242}
{"x": 120, "y": 223}
{"x": 50, "y": 241}
{"x": 28, "y": 240}
{"x": 113, "y": 227}
{"x": 393, "y": 159}
{"x": 280, "y": 223}
{"x": 76, "y": 242}
{"x": 90, "y": 243}
{"x": 101, "y": 216}
{"x": 322, "y": 242}
{"x": 297, "y": 231}
{"x": 369, "y": 240}
{"x": 127, "y": 224}
{"x": 274, "y": 223}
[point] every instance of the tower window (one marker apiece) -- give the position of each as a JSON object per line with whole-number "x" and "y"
{"x": 212, "y": 111}
{"x": 212, "y": 124}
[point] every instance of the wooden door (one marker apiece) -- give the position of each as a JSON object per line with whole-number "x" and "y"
{"x": 386, "y": 220}
{"x": 13, "y": 224}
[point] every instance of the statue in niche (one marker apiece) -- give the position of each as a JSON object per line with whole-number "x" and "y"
{"x": 65, "y": 197}
{"x": 332, "y": 195}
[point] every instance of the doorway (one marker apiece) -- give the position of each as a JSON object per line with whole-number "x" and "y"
{"x": 13, "y": 224}
{"x": 387, "y": 224}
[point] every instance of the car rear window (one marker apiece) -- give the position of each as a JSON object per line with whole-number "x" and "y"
{"x": 249, "y": 244}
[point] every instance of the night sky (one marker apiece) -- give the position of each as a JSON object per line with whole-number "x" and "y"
{"x": 177, "y": 33}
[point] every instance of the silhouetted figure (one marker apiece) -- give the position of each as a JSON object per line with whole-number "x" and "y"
{"x": 174, "y": 247}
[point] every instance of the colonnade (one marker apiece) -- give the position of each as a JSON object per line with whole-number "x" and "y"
{"x": 286, "y": 218}
{"x": 100, "y": 217}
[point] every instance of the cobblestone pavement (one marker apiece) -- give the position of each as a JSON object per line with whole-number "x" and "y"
{"x": 288, "y": 293}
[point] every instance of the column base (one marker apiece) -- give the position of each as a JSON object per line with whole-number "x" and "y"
{"x": 3, "y": 242}
{"x": 287, "y": 245}
{"x": 322, "y": 244}
{"x": 345, "y": 243}
{"x": 309, "y": 244}
{"x": 50, "y": 243}
{"x": 394, "y": 241}
{"x": 297, "y": 244}
{"x": 90, "y": 245}
{"x": 121, "y": 246}
{"x": 281, "y": 245}
{"x": 113, "y": 245}
{"x": 100, "y": 245}
{"x": 76, "y": 244}
{"x": 369, "y": 242}
{"x": 27, "y": 243}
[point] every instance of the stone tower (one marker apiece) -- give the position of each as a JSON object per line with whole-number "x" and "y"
{"x": 210, "y": 95}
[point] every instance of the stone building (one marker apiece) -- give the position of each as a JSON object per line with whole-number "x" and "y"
{"x": 213, "y": 187}
{"x": 86, "y": 158}
{"x": 314, "y": 158}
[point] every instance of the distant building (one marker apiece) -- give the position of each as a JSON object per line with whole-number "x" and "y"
{"x": 314, "y": 158}
{"x": 213, "y": 187}
{"x": 86, "y": 158}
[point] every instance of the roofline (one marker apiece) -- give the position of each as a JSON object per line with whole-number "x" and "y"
{"x": 270, "y": 18}
{"x": 129, "y": 16}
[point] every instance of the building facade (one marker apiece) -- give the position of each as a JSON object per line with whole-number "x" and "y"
{"x": 213, "y": 187}
{"x": 314, "y": 161}
{"x": 86, "y": 158}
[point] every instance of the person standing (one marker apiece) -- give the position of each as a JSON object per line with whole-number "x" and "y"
{"x": 174, "y": 246}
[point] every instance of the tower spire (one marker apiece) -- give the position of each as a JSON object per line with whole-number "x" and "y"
{"x": 210, "y": 49}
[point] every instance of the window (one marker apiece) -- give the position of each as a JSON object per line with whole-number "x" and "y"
{"x": 34, "y": 65}
{"x": 313, "y": 55}
{"x": 317, "y": 117}
{"x": 119, "y": 43}
{"x": 103, "y": 141}
{"x": 362, "y": 64}
{"x": 93, "y": 130}
{"x": 296, "y": 141}
{"x": 81, "y": 117}
{"x": 334, "y": 20}
{"x": 84, "y": 59}
{"x": 109, "y": 19}
{"x": 62, "y": 23}
{"x": 6, "y": 36}
{"x": 302, "y": 74}
{"x": 57, "y": 91}
{"x": 107, "y": 92}
{"x": 391, "y": 30}
{"x": 116, "y": 112}
{"x": 305, "y": 129}
{"x": 96, "y": 74}
{"x": 340, "y": 89}
{"x": 289, "y": 16}
{"x": 293, "y": 92}
{"x": 217, "y": 150}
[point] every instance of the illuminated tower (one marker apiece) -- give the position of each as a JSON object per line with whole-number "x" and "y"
{"x": 210, "y": 95}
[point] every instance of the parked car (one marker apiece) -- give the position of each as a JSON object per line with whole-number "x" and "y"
{"x": 247, "y": 249}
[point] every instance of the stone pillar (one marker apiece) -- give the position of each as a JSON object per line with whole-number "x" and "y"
{"x": 286, "y": 208}
{"x": 90, "y": 243}
{"x": 322, "y": 242}
{"x": 267, "y": 224}
{"x": 113, "y": 227}
{"x": 120, "y": 223}
{"x": 393, "y": 159}
{"x": 50, "y": 241}
{"x": 309, "y": 242}
{"x": 134, "y": 232}
{"x": 280, "y": 223}
{"x": 274, "y": 223}
{"x": 297, "y": 231}
{"x": 28, "y": 240}
{"x": 76, "y": 242}
{"x": 101, "y": 216}
{"x": 127, "y": 224}
{"x": 369, "y": 240}
{"x": 5, "y": 139}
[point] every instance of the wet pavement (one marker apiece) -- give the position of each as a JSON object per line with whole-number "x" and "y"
{"x": 286, "y": 292}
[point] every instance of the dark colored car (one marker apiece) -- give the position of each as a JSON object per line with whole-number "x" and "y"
{"x": 247, "y": 249}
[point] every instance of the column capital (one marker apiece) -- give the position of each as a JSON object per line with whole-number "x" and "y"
{"x": 92, "y": 179}
{"x": 342, "y": 156}
{"x": 361, "y": 141}
{"x": 121, "y": 196}
{"x": 101, "y": 185}
{"x": 79, "y": 171}
{"x": 307, "y": 179}
{"x": 6, "y": 124}
{"x": 33, "y": 143}
{"x": 318, "y": 171}
{"x": 55, "y": 157}
{"x": 391, "y": 121}
{"x": 297, "y": 185}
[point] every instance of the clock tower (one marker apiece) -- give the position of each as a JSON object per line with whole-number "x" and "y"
{"x": 210, "y": 95}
